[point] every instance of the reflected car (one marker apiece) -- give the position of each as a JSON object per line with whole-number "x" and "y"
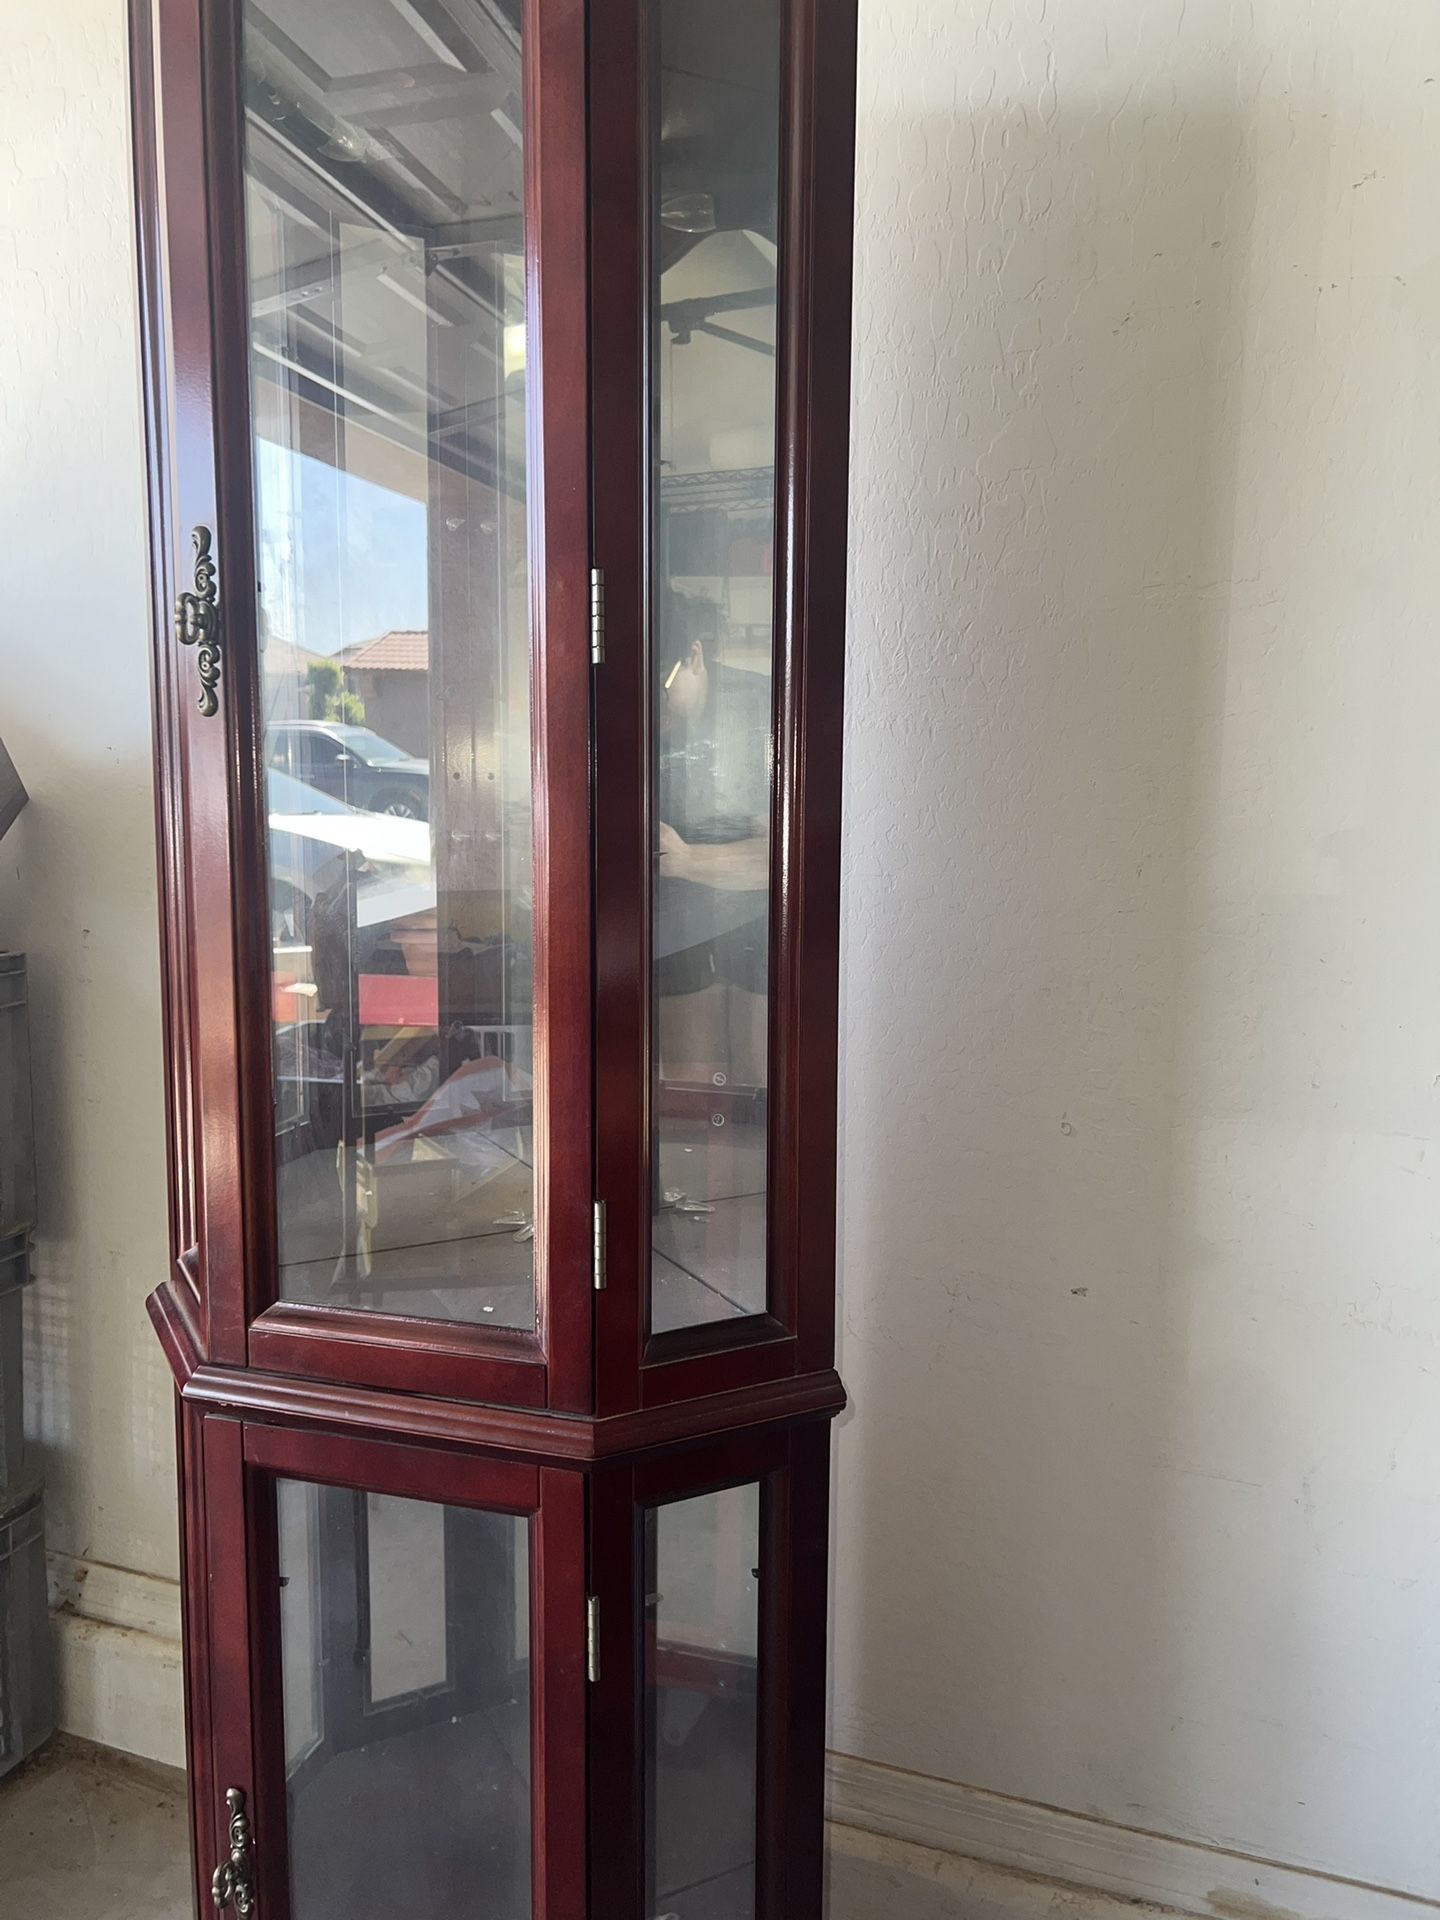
{"x": 312, "y": 833}
{"x": 351, "y": 764}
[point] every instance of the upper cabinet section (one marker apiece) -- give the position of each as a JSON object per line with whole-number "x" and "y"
{"x": 720, "y": 249}
{"x": 500, "y": 940}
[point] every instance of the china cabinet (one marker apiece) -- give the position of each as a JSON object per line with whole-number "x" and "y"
{"x": 496, "y": 359}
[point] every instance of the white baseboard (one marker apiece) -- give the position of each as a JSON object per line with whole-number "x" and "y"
{"x": 117, "y": 1658}
{"x": 1119, "y": 1863}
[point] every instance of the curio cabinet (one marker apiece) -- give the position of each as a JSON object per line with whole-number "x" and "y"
{"x": 496, "y": 359}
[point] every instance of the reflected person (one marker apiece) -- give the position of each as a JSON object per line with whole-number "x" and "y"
{"x": 711, "y": 940}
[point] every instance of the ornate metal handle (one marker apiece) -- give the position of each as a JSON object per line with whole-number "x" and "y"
{"x": 197, "y": 622}
{"x": 233, "y": 1883}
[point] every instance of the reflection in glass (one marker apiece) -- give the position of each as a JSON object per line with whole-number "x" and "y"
{"x": 702, "y": 1570}
{"x": 386, "y": 263}
{"x": 405, "y": 1665}
{"x": 715, "y": 228}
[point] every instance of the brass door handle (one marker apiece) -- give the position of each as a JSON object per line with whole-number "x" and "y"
{"x": 233, "y": 1882}
{"x": 197, "y": 622}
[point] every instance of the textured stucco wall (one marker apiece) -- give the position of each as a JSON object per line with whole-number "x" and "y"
{"x": 77, "y": 872}
{"x": 1139, "y": 1507}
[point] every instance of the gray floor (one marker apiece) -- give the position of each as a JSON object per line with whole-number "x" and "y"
{"x": 88, "y": 1835}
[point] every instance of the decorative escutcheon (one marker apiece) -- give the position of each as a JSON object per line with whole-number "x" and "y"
{"x": 233, "y": 1882}
{"x": 197, "y": 622}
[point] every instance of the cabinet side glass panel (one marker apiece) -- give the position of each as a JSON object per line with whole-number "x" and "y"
{"x": 406, "y": 1674}
{"x": 385, "y": 236}
{"x": 714, "y": 235}
{"x": 702, "y": 1572}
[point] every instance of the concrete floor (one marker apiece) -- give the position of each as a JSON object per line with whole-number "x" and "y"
{"x": 90, "y": 1835}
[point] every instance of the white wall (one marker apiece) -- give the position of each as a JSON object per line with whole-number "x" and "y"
{"x": 1139, "y": 1511}
{"x": 1137, "y": 1505}
{"x": 77, "y": 872}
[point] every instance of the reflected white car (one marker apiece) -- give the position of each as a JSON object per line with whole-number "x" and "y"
{"x": 310, "y": 832}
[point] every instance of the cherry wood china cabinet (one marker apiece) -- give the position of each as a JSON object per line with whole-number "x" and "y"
{"x": 496, "y": 358}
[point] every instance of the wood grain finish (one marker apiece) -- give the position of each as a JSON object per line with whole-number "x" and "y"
{"x": 556, "y": 302}
{"x": 620, "y": 415}
{"x": 559, "y": 1703}
{"x": 540, "y": 1435}
{"x": 814, "y": 443}
{"x": 223, "y": 1662}
{"x": 817, "y": 159}
{"x": 429, "y": 1356}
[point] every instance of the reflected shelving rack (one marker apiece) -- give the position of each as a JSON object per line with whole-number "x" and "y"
{"x": 496, "y": 362}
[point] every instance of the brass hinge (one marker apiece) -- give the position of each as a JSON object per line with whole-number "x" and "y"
{"x": 599, "y": 1246}
{"x": 597, "y": 616}
{"x": 592, "y": 1638}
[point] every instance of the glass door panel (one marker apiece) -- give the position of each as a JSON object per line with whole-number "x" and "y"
{"x": 714, "y": 234}
{"x": 386, "y": 261}
{"x": 405, "y": 1659}
{"x": 702, "y": 1572}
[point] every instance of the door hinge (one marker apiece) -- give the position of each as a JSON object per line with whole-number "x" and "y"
{"x": 592, "y": 1638}
{"x": 599, "y": 1246}
{"x": 597, "y": 616}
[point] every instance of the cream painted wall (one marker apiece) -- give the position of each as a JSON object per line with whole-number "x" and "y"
{"x": 1139, "y": 1509}
{"x": 77, "y": 872}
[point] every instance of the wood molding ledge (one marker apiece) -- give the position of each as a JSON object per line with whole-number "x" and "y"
{"x": 524, "y": 1433}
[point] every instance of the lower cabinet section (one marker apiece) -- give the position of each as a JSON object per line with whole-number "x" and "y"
{"x": 426, "y": 1681}
{"x": 405, "y": 1665}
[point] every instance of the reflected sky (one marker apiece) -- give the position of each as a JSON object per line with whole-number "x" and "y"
{"x": 379, "y": 534}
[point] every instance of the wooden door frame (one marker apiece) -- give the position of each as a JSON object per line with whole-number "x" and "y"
{"x": 211, "y": 814}
{"x": 242, "y": 1470}
{"x": 796, "y": 1334}
{"x": 792, "y": 1466}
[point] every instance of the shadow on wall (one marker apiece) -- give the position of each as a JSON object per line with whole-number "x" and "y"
{"x": 99, "y": 1399}
{"x": 1071, "y": 1562}
{"x": 77, "y": 877}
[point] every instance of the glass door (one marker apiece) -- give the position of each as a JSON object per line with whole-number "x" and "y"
{"x": 707, "y": 1718}
{"x": 709, "y": 940}
{"x": 401, "y": 543}
{"x": 714, "y": 248}
{"x": 419, "y": 1675}
{"x": 701, "y": 1704}
{"x": 384, "y": 165}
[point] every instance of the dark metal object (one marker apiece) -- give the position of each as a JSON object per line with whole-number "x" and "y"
{"x": 27, "y": 1677}
{"x": 233, "y": 1882}
{"x": 12, "y": 792}
{"x": 27, "y": 1670}
{"x": 17, "y": 1120}
{"x": 15, "y": 1460}
{"x": 197, "y": 622}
